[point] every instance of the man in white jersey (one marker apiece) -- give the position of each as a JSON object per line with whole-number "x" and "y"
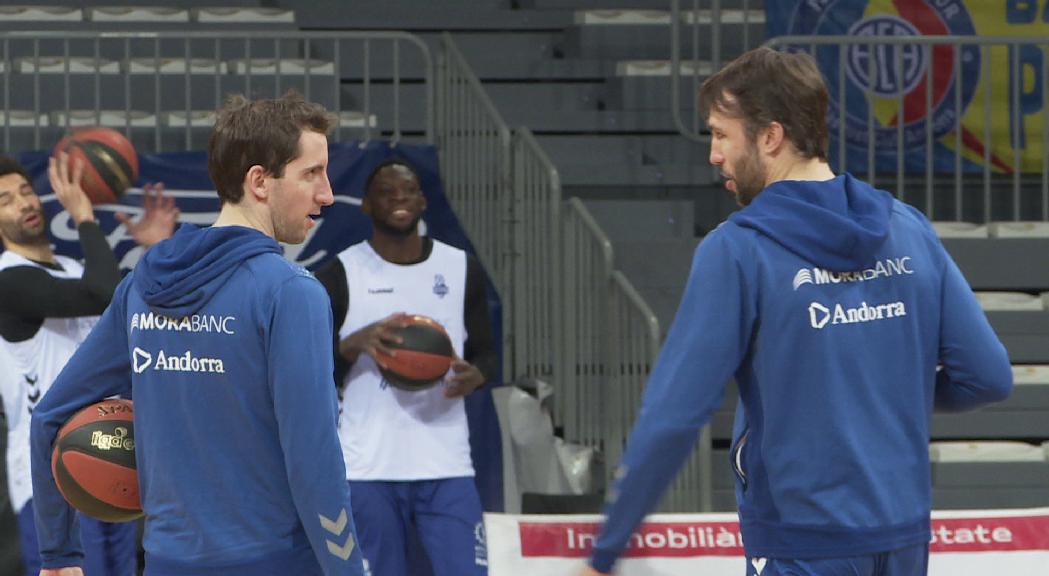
{"x": 408, "y": 453}
{"x": 48, "y": 304}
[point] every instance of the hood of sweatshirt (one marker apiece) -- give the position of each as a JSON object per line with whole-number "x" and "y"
{"x": 836, "y": 224}
{"x": 178, "y": 276}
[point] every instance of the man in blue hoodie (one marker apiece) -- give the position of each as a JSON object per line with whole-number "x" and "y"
{"x": 845, "y": 324}
{"x": 218, "y": 339}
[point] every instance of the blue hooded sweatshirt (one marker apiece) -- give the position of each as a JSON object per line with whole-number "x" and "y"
{"x": 226, "y": 349}
{"x": 832, "y": 305}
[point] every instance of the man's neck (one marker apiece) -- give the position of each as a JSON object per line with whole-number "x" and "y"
{"x": 397, "y": 249}
{"x": 39, "y": 252}
{"x": 811, "y": 169}
{"x": 242, "y": 215}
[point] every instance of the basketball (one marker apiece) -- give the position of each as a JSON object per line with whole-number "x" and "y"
{"x": 93, "y": 462}
{"x": 110, "y": 162}
{"x": 423, "y": 357}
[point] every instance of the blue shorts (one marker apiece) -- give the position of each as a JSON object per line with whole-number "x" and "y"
{"x": 110, "y": 549}
{"x": 910, "y": 561}
{"x": 445, "y": 516}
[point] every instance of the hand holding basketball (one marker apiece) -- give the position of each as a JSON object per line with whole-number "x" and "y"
{"x": 65, "y": 181}
{"x": 466, "y": 379}
{"x": 374, "y": 339}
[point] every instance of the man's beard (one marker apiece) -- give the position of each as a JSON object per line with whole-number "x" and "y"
{"x": 749, "y": 176}
{"x": 16, "y": 233}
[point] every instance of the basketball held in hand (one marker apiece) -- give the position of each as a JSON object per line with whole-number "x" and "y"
{"x": 421, "y": 359}
{"x": 93, "y": 462}
{"x": 110, "y": 162}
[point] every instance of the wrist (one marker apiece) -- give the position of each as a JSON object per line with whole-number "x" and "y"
{"x": 79, "y": 219}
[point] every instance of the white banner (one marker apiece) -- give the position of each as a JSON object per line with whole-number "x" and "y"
{"x": 964, "y": 543}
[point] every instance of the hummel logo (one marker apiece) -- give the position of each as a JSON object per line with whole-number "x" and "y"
{"x": 336, "y": 527}
{"x": 804, "y": 276}
{"x": 140, "y": 360}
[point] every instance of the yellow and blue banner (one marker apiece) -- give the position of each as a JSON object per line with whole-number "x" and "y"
{"x": 945, "y": 88}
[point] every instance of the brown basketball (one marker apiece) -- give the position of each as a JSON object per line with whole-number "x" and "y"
{"x": 422, "y": 358}
{"x": 93, "y": 461}
{"x": 110, "y": 162}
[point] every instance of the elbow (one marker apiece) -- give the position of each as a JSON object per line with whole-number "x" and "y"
{"x": 1000, "y": 384}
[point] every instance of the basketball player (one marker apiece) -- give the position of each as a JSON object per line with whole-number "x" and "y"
{"x": 408, "y": 453}
{"x": 216, "y": 334}
{"x": 48, "y": 304}
{"x": 844, "y": 322}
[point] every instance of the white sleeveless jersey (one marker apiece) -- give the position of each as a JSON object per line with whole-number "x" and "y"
{"x": 388, "y": 433}
{"x": 29, "y": 368}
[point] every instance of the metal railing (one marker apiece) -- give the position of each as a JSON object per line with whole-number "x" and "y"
{"x": 569, "y": 317}
{"x": 699, "y": 14}
{"x": 612, "y": 342}
{"x": 162, "y": 88}
{"x": 539, "y": 335}
{"x": 476, "y": 163}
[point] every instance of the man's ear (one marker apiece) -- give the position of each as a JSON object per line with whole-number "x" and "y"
{"x": 772, "y": 138}
{"x": 366, "y": 206}
{"x": 255, "y": 182}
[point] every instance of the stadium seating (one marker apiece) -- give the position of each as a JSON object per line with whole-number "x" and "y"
{"x": 592, "y": 80}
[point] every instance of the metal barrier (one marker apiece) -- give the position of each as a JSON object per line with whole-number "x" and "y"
{"x": 612, "y": 341}
{"x": 694, "y": 17}
{"x": 162, "y": 88}
{"x": 476, "y": 162}
{"x": 568, "y": 317}
{"x": 539, "y": 287}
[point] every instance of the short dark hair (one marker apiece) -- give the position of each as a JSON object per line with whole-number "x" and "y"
{"x": 259, "y": 132}
{"x": 9, "y": 165}
{"x": 763, "y": 86}
{"x": 394, "y": 161}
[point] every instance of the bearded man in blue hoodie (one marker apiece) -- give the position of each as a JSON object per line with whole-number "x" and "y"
{"x": 218, "y": 339}
{"x": 845, "y": 324}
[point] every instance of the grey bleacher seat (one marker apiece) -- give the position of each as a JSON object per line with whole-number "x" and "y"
{"x": 137, "y": 14}
{"x": 26, "y": 119}
{"x": 23, "y": 14}
{"x": 975, "y": 475}
{"x": 1006, "y": 301}
{"x": 945, "y": 229}
{"x": 1025, "y": 414}
{"x": 108, "y": 118}
{"x": 1018, "y": 229}
{"x": 644, "y": 34}
{"x": 60, "y": 65}
{"x": 414, "y": 15}
{"x": 196, "y": 66}
{"x": 1002, "y": 263}
{"x": 287, "y": 66}
{"x": 243, "y": 15}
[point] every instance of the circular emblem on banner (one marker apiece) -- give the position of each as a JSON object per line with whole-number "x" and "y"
{"x": 870, "y": 80}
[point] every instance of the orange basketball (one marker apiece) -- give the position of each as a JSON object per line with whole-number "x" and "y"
{"x": 93, "y": 461}
{"x": 110, "y": 162}
{"x": 422, "y": 358}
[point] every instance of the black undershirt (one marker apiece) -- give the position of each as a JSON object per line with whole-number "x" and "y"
{"x": 479, "y": 348}
{"x": 29, "y": 295}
